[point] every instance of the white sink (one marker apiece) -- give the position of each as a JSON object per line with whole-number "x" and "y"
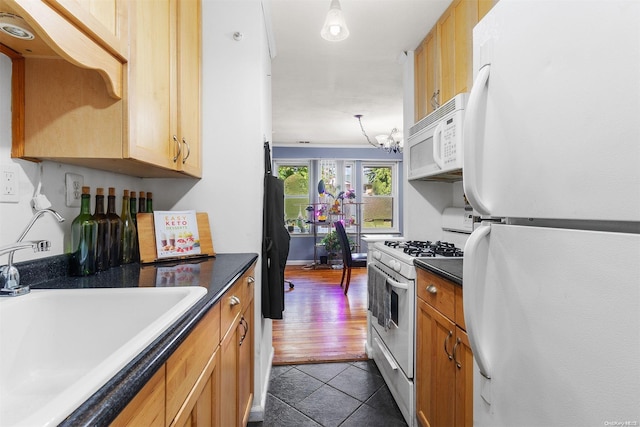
{"x": 57, "y": 347}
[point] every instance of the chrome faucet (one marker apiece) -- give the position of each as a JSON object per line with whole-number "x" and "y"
{"x": 9, "y": 274}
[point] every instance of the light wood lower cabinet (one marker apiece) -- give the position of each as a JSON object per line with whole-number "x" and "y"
{"x": 208, "y": 380}
{"x": 444, "y": 361}
{"x": 148, "y": 407}
{"x": 237, "y": 358}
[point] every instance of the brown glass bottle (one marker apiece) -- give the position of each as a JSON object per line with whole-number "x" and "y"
{"x": 142, "y": 202}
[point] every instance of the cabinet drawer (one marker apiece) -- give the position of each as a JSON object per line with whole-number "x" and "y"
{"x": 231, "y": 306}
{"x": 437, "y": 292}
{"x": 248, "y": 282}
{"x": 188, "y": 361}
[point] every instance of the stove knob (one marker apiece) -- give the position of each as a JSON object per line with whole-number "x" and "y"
{"x": 396, "y": 265}
{"x": 377, "y": 254}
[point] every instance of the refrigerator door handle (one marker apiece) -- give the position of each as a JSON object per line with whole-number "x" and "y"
{"x": 474, "y": 140}
{"x": 473, "y": 295}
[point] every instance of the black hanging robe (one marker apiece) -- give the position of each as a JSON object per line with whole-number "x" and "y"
{"x": 275, "y": 243}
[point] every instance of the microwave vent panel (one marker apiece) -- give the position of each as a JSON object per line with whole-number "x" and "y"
{"x": 458, "y": 102}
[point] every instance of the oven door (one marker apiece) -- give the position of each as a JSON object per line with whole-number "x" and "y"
{"x": 398, "y": 338}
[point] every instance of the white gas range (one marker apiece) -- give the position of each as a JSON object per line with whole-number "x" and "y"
{"x": 391, "y": 315}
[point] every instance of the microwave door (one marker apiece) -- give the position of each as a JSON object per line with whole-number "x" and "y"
{"x": 421, "y": 161}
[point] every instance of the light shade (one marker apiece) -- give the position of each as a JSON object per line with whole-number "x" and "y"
{"x": 334, "y": 28}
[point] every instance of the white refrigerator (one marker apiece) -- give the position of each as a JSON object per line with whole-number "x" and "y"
{"x": 552, "y": 151}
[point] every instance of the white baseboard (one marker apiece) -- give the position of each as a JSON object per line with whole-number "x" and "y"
{"x": 300, "y": 262}
{"x": 257, "y": 409}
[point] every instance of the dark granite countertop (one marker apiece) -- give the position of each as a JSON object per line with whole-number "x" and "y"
{"x": 450, "y": 269}
{"x": 216, "y": 274}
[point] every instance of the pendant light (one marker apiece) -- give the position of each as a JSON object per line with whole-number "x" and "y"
{"x": 334, "y": 28}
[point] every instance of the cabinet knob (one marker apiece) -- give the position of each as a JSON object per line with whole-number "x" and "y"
{"x": 234, "y": 300}
{"x": 432, "y": 289}
{"x": 250, "y": 279}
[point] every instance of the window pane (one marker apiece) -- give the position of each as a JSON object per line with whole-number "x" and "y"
{"x": 377, "y": 211}
{"x": 328, "y": 174}
{"x": 296, "y": 195}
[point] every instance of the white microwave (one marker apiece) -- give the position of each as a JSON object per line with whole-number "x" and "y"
{"x": 435, "y": 143}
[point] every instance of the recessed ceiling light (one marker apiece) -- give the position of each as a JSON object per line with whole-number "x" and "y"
{"x": 15, "y": 26}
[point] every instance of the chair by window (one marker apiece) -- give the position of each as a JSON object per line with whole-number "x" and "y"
{"x": 349, "y": 259}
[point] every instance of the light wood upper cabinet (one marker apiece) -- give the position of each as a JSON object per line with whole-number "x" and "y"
{"x": 443, "y": 60}
{"x": 77, "y": 37}
{"x": 189, "y": 57}
{"x": 154, "y": 129}
{"x": 164, "y": 84}
{"x": 426, "y": 75}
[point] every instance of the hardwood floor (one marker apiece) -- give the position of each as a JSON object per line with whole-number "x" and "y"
{"x": 320, "y": 323}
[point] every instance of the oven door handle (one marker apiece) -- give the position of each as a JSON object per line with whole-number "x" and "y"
{"x": 392, "y": 282}
{"x": 397, "y": 285}
{"x": 386, "y": 354}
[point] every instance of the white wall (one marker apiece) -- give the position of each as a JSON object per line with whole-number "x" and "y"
{"x": 236, "y": 115}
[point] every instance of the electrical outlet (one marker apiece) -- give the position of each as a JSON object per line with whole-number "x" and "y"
{"x": 10, "y": 185}
{"x": 74, "y": 183}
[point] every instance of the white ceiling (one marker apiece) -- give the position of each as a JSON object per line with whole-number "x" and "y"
{"x": 318, "y": 85}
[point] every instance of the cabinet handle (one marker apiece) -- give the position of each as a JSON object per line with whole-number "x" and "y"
{"x": 449, "y": 355}
{"x": 455, "y": 349}
{"x": 186, "y": 144}
{"x": 432, "y": 289}
{"x": 175, "y": 139}
{"x": 434, "y": 100}
{"x": 234, "y": 300}
{"x": 251, "y": 279}
{"x": 245, "y": 326}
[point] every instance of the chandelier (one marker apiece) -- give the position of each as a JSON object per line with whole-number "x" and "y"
{"x": 391, "y": 143}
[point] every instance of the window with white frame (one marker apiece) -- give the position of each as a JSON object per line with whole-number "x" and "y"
{"x": 296, "y": 179}
{"x": 380, "y": 196}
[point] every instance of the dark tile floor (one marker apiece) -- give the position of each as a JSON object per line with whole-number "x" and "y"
{"x": 351, "y": 394}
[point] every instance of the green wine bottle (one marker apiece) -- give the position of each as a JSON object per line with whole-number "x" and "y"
{"x": 84, "y": 238}
{"x": 115, "y": 229}
{"x": 103, "y": 245}
{"x": 129, "y": 238}
{"x": 149, "y": 202}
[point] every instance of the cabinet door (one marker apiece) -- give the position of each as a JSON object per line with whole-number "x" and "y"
{"x": 147, "y": 407}
{"x": 189, "y": 78}
{"x": 229, "y": 378}
{"x": 151, "y": 79}
{"x": 245, "y": 366}
{"x": 464, "y": 380}
{"x": 202, "y": 407}
{"x": 455, "y": 41}
{"x": 426, "y": 74}
{"x": 435, "y": 372}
